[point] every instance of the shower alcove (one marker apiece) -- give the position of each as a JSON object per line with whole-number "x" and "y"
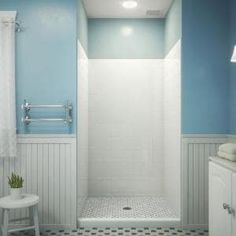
{"x": 128, "y": 130}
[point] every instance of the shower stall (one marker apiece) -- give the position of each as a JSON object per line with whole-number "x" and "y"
{"x": 129, "y": 140}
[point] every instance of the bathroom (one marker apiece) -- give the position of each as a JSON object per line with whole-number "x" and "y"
{"x": 147, "y": 91}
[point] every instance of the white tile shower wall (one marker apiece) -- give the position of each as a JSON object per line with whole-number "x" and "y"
{"x": 172, "y": 130}
{"x": 48, "y": 166}
{"x": 82, "y": 159}
{"x": 125, "y": 127}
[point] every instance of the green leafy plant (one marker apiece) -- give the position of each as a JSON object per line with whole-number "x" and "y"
{"x": 15, "y": 181}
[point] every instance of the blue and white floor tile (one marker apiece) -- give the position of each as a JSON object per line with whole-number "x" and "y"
{"x": 119, "y": 232}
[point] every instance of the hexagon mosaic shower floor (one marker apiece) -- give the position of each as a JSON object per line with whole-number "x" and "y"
{"x": 120, "y": 232}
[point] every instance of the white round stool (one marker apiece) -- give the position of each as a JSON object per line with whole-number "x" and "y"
{"x": 28, "y": 201}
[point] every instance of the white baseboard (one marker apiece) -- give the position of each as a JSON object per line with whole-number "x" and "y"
{"x": 128, "y": 222}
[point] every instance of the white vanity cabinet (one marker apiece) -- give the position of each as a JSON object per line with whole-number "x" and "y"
{"x": 233, "y": 200}
{"x": 222, "y": 197}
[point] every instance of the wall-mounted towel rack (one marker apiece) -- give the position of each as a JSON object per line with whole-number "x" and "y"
{"x": 26, "y": 107}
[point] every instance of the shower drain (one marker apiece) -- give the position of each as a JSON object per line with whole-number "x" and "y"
{"x": 127, "y": 208}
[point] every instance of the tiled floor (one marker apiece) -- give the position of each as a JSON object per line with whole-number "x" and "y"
{"x": 139, "y": 232}
{"x": 122, "y": 232}
{"x": 138, "y": 207}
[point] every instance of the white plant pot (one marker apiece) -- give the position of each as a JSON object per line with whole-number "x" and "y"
{"x": 15, "y": 193}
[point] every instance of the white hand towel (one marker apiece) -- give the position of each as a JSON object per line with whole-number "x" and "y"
{"x": 231, "y": 157}
{"x": 229, "y": 148}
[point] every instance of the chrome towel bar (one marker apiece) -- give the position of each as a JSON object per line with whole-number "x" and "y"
{"x": 26, "y": 107}
{"x": 43, "y": 119}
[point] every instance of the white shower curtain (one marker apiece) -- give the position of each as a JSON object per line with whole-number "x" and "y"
{"x": 7, "y": 85}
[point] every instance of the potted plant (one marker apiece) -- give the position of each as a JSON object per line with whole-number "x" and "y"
{"x": 16, "y": 184}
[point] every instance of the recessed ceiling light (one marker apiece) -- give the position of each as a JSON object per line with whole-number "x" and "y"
{"x": 129, "y": 4}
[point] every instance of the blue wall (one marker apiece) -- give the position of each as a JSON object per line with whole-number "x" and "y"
{"x": 205, "y": 67}
{"x": 173, "y": 25}
{"x": 232, "y": 68}
{"x": 45, "y": 57}
{"x": 126, "y": 38}
{"x": 82, "y": 26}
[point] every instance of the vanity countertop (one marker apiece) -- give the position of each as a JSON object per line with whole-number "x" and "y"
{"x": 223, "y": 162}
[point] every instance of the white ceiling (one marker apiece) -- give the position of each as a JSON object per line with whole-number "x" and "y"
{"x": 114, "y": 9}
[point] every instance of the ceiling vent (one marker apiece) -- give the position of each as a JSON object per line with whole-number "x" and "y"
{"x": 154, "y": 13}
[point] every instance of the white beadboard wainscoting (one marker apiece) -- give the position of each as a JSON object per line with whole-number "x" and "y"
{"x": 196, "y": 150}
{"x": 48, "y": 166}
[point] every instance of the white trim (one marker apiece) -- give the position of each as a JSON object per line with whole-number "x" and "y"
{"x": 44, "y": 227}
{"x": 208, "y": 136}
{"x": 79, "y": 44}
{"x": 204, "y": 135}
{"x": 204, "y": 140}
{"x": 231, "y": 136}
{"x": 195, "y": 227}
{"x": 11, "y": 14}
{"x": 46, "y": 136}
{"x": 129, "y": 222}
{"x": 82, "y": 124}
{"x": 133, "y": 59}
{"x": 50, "y": 139}
{"x": 169, "y": 54}
{"x": 55, "y": 140}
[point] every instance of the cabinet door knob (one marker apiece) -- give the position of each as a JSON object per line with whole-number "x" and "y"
{"x": 226, "y": 206}
{"x": 231, "y": 211}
